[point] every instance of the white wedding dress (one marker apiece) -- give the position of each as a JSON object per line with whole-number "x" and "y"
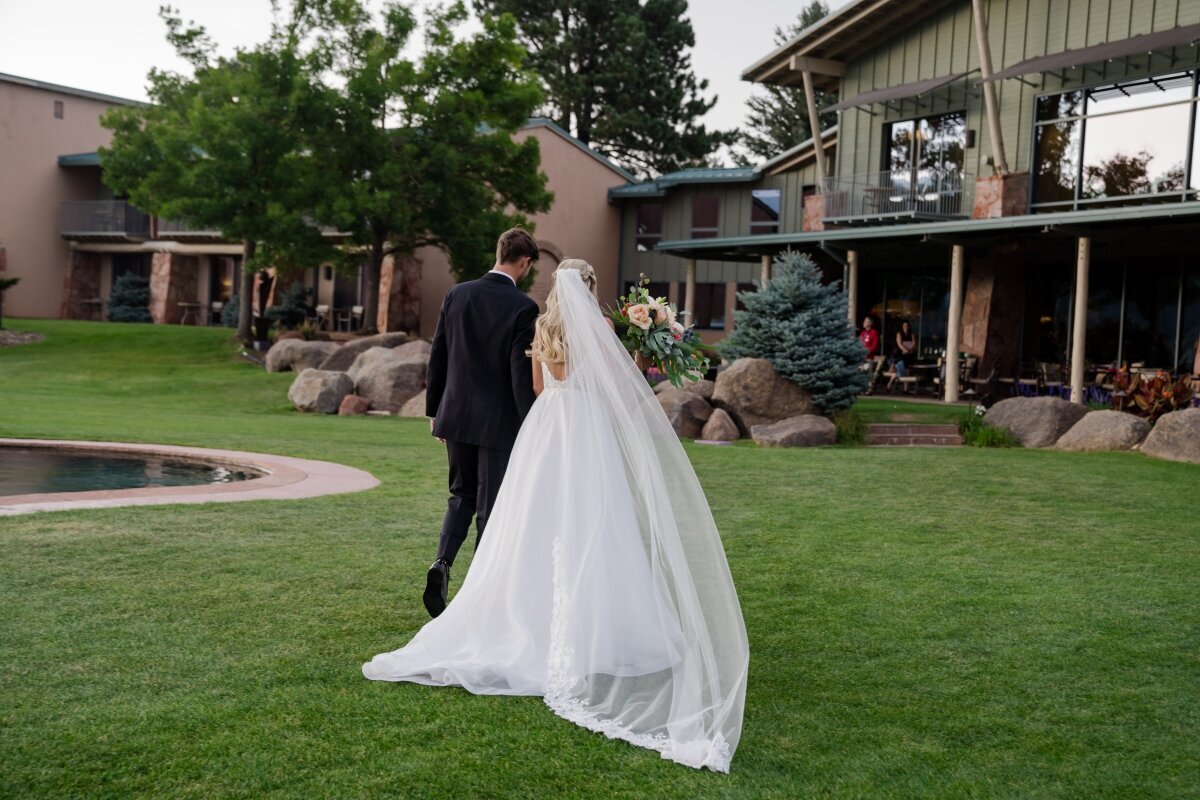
{"x": 601, "y": 583}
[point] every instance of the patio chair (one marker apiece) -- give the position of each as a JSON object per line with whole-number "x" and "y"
{"x": 1052, "y": 378}
{"x": 1028, "y": 380}
{"x": 216, "y": 309}
{"x": 322, "y": 316}
{"x": 343, "y": 319}
{"x": 984, "y": 388}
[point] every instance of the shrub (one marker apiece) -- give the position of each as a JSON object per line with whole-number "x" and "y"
{"x": 1150, "y": 397}
{"x": 130, "y": 299}
{"x": 851, "y": 427}
{"x": 229, "y": 313}
{"x": 799, "y": 324}
{"x": 976, "y": 434}
{"x": 292, "y": 309}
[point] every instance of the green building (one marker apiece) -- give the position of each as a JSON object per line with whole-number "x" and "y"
{"x": 1019, "y": 179}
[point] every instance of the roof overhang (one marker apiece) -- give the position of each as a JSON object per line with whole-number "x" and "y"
{"x": 824, "y": 48}
{"x": 79, "y": 160}
{"x": 1183, "y": 36}
{"x": 1095, "y": 222}
{"x": 914, "y": 89}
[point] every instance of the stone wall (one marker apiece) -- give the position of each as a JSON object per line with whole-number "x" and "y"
{"x": 1001, "y": 196}
{"x": 814, "y": 213}
{"x": 400, "y": 294}
{"x": 992, "y": 309}
{"x": 174, "y": 279}
{"x": 81, "y": 284}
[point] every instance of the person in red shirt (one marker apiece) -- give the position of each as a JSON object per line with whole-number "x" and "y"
{"x": 870, "y": 338}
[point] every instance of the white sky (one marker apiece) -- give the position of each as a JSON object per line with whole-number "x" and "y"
{"x": 108, "y": 46}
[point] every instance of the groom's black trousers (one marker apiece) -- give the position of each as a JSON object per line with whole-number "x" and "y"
{"x": 475, "y": 476}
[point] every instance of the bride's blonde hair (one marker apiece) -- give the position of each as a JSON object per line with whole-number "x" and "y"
{"x": 548, "y": 345}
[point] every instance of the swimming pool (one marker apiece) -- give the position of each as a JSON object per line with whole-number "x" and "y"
{"x": 39, "y": 470}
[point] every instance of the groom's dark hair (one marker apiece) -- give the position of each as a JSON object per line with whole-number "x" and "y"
{"x": 515, "y": 243}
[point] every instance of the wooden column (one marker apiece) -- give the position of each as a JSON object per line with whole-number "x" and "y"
{"x": 852, "y": 287}
{"x": 689, "y": 294}
{"x": 765, "y": 276}
{"x": 989, "y": 88}
{"x": 954, "y": 323}
{"x": 1083, "y": 257}
{"x": 814, "y": 124}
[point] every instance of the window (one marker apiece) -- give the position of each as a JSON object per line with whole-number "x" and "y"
{"x": 1117, "y": 142}
{"x": 764, "y": 210}
{"x": 706, "y": 213}
{"x": 649, "y": 226}
{"x": 923, "y": 152}
{"x": 58, "y": 109}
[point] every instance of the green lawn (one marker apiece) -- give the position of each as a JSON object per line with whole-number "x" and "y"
{"x": 941, "y": 623}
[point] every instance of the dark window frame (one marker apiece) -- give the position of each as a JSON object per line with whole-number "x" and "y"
{"x": 645, "y": 241}
{"x": 770, "y": 226}
{"x": 706, "y": 231}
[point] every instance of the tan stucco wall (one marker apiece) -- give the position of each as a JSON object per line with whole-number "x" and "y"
{"x": 579, "y": 224}
{"x": 31, "y": 140}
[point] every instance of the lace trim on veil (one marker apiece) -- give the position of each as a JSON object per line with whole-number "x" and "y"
{"x": 715, "y": 755}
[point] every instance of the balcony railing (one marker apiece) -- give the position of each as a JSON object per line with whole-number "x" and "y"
{"x": 898, "y": 194}
{"x": 168, "y": 228}
{"x": 102, "y": 218}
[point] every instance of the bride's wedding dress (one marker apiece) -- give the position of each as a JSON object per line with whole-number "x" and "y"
{"x": 601, "y": 584}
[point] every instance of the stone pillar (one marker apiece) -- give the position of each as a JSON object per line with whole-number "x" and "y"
{"x": 1001, "y": 196}
{"x": 82, "y": 284}
{"x": 174, "y": 279}
{"x": 765, "y": 270}
{"x": 1083, "y": 257}
{"x": 689, "y": 294}
{"x": 813, "y": 218}
{"x": 954, "y": 323}
{"x": 400, "y": 294}
{"x": 993, "y": 310}
{"x": 852, "y": 287}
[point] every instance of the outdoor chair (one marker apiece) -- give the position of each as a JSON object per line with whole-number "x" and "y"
{"x": 322, "y": 317}
{"x": 215, "y": 312}
{"x": 1028, "y": 380}
{"x": 1053, "y": 378}
{"x": 343, "y": 319}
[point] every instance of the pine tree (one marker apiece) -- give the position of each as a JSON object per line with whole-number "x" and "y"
{"x": 130, "y": 299}
{"x": 800, "y": 326}
{"x": 618, "y": 76}
{"x": 777, "y": 120}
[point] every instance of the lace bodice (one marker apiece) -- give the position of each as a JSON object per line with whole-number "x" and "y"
{"x": 551, "y": 382}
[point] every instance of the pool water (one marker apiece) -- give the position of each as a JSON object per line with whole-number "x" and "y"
{"x": 37, "y": 470}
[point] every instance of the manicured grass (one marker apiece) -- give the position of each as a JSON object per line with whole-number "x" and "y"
{"x": 923, "y": 622}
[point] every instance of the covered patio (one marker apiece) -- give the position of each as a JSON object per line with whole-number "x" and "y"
{"x": 1004, "y": 292}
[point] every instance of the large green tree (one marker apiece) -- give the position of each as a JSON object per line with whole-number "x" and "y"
{"x": 227, "y": 147}
{"x": 777, "y": 117}
{"x": 618, "y": 75}
{"x": 422, "y": 151}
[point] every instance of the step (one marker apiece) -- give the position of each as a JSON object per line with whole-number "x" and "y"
{"x": 914, "y": 441}
{"x": 894, "y": 434}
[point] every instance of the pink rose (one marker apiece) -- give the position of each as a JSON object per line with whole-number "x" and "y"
{"x": 640, "y": 315}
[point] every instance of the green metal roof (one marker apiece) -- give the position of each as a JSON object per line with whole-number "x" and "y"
{"x": 732, "y": 246}
{"x": 79, "y": 160}
{"x": 657, "y": 187}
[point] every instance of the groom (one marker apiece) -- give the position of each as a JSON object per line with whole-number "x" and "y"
{"x": 480, "y": 389}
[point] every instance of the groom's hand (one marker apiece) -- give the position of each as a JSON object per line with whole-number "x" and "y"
{"x": 440, "y": 439}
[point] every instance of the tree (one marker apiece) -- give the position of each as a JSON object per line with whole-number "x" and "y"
{"x": 421, "y": 152}
{"x": 5, "y": 285}
{"x": 618, "y": 76}
{"x": 777, "y": 119}
{"x": 129, "y": 300}
{"x": 226, "y": 148}
{"x": 800, "y": 326}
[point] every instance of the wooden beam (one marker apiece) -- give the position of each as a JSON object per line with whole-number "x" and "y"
{"x": 689, "y": 294}
{"x": 814, "y": 125}
{"x": 1083, "y": 255}
{"x": 989, "y": 88}
{"x": 819, "y": 66}
{"x": 765, "y": 270}
{"x": 852, "y": 287}
{"x": 954, "y": 323}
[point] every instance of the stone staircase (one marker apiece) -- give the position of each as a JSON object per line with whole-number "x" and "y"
{"x": 898, "y": 434}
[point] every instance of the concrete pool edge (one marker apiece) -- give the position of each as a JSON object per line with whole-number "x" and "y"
{"x": 284, "y": 478}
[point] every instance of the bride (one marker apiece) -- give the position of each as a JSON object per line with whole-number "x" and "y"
{"x": 601, "y": 585}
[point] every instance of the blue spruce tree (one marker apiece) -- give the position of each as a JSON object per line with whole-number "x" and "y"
{"x": 129, "y": 300}
{"x": 800, "y": 326}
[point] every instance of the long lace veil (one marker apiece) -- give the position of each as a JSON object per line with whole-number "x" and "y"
{"x": 685, "y": 697}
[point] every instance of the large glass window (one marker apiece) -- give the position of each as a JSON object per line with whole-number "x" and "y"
{"x": 649, "y": 226}
{"x": 224, "y": 277}
{"x": 706, "y": 214}
{"x": 710, "y": 306}
{"x": 921, "y": 152}
{"x": 130, "y": 264}
{"x": 1189, "y": 331}
{"x": 1113, "y": 143}
{"x": 764, "y": 210}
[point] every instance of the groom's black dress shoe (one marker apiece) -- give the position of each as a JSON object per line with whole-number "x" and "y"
{"x": 437, "y": 583}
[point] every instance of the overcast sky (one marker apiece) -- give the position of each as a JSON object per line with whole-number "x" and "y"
{"x": 108, "y": 46}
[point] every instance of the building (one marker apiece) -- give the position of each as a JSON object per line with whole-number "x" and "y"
{"x": 68, "y": 238}
{"x": 1020, "y": 179}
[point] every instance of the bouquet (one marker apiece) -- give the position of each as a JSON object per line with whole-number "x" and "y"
{"x": 648, "y": 326}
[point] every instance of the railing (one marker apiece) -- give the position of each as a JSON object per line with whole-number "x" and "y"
{"x": 102, "y": 218}
{"x": 176, "y": 227}
{"x": 923, "y": 193}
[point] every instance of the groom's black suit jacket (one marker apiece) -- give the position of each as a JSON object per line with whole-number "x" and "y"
{"x": 480, "y": 380}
